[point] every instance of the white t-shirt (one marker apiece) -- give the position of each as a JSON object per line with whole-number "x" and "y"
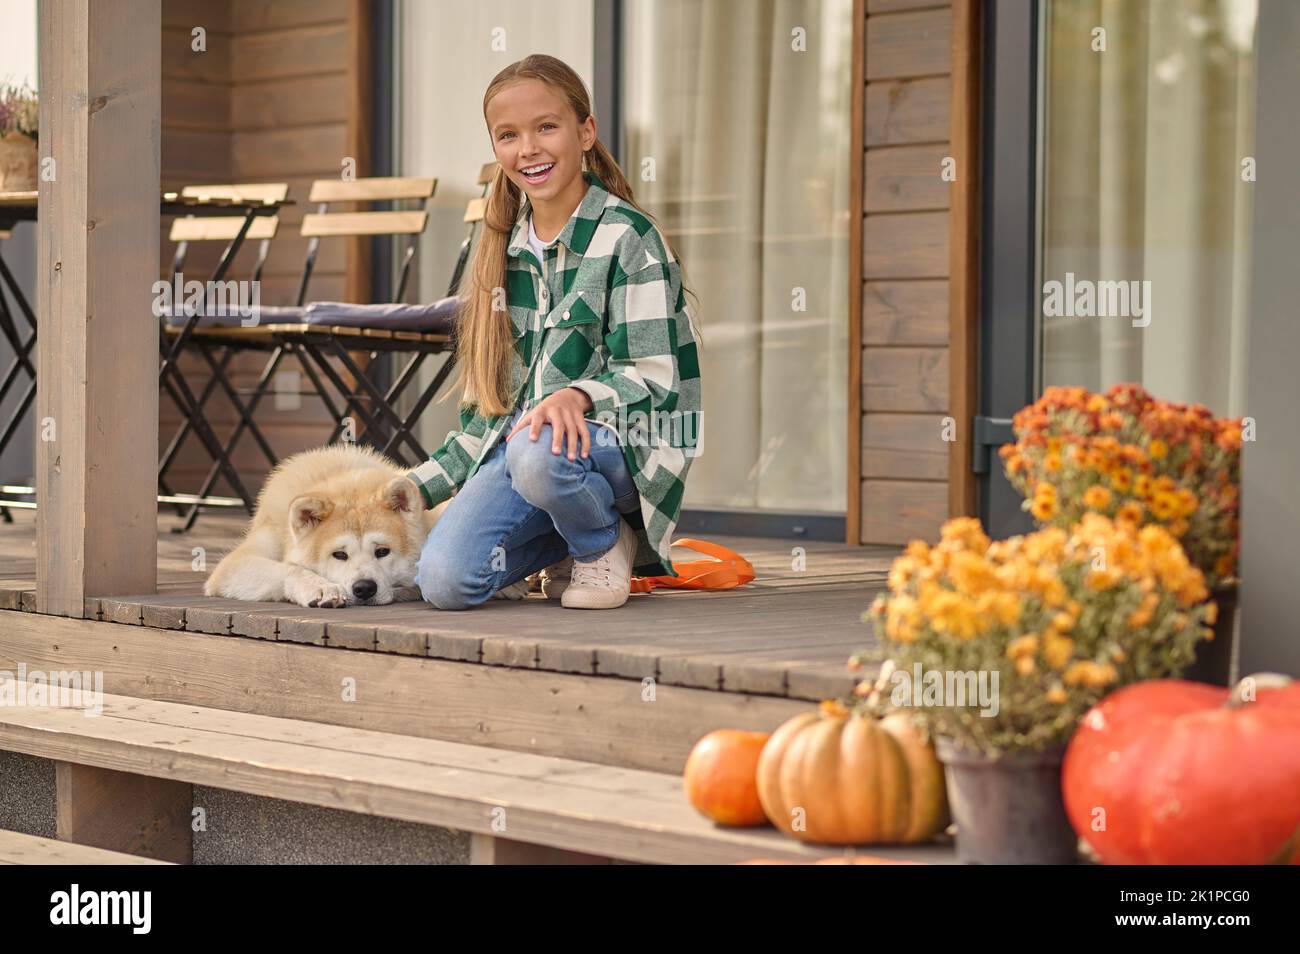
{"x": 538, "y": 250}
{"x": 536, "y": 243}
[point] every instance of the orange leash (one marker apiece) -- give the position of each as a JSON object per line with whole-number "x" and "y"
{"x": 728, "y": 570}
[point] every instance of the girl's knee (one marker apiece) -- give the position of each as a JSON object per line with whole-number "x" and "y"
{"x": 447, "y": 585}
{"x": 534, "y": 470}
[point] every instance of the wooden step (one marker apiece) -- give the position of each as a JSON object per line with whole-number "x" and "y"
{"x": 509, "y": 797}
{"x": 19, "y": 849}
{"x": 607, "y": 720}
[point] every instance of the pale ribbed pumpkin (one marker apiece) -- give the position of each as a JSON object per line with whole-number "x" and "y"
{"x": 855, "y": 778}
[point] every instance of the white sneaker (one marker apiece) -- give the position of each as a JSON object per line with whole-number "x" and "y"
{"x": 605, "y": 582}
{"x": 555, "y": 578}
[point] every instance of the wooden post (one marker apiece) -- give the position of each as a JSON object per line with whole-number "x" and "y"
{"x": 491, "y": 850}
{"x": 97, "y": 378}
{"x": 963, "y": 254}
{"x": 119, "y": 811}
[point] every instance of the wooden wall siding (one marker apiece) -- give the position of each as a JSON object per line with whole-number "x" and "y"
{"x": 909, "y": 44}
{"x": 906, "y": 380}
{"x": 903, "y": 509}
{"x": 907, "y": 111}
{"x": 289, "y": 66}
{"x": 902, "y": 179}
{"x": 903, "y": 313}
{"x": 894, "y": 448}
{"x": 964, "y": 252}
{"x": 269, "y": 101}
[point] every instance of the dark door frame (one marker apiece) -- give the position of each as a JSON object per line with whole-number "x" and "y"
{"x": 1009, "y": 257}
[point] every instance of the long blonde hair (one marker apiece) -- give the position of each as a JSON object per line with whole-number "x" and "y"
{"x": 484, "y": 340}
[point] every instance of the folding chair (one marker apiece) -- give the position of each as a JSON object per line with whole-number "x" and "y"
{"x": 15, "y": 208}
{"x": 336, "y": 329}
{"x": 436, "y": 318}
{"x": 185, "y": 231}
{"x": 473, "y": 216}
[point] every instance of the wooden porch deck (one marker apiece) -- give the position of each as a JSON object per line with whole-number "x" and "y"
{"x": 518, "y": 676}
{"x": 788, "y": 633}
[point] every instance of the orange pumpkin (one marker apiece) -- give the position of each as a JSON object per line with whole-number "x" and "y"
{"x": 1170, "y": 772}
{"x": 720, "y": 777}
{"x": 838, "y": 778}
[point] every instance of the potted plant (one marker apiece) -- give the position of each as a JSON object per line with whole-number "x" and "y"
{"x": 18, "y": 118}
{"x": 1132, "y": 457}
{"x": 1051, "y": 621}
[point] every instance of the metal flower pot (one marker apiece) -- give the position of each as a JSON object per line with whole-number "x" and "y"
{"x": 1008, "y": 809}
{"x": 1213, "y": 662}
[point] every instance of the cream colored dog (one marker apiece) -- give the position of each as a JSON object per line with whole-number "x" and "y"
{"x": 340, "y": 525}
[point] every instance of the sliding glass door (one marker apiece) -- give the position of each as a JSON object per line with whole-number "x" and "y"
{"x": 1120, "y": 171}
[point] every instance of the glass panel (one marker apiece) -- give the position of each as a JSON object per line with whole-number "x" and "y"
{"x": 448, "y": 52}
{"x": 737, "y": 132}
{"x": 1146, "y": 198}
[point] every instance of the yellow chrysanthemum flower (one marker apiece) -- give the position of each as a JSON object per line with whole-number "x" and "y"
{"x": 1043, "y": 508}
{"x": 1057, "y": 650}
{"x": 1022, "y": 646}
{"x": 1131, "y": 511}
{"x": 1096, "y": 497}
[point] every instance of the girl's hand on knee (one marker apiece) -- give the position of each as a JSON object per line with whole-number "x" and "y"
{"x": 564, "y": 411}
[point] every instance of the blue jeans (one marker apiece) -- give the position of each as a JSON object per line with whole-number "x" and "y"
{"x": 524, "y": 509}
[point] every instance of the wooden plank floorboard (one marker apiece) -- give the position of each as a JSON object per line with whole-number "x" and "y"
{"x": 797, "y": 618}
{"x": 20, "y": 849}
{"x": 596, "y": 719}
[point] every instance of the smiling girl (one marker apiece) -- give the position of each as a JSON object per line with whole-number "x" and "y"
{"x": 577, "y": 354}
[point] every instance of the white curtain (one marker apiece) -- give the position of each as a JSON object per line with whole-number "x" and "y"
{"x": 1144, "y": 144}
{"x": 737, "y": 118}
{"x": 448, "y": 52}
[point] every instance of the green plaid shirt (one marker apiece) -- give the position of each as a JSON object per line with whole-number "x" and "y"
{"x": 605, "y": 313}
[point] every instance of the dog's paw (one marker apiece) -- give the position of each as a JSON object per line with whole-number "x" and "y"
{"x": 515, "y": 591}
{"x": 323, "y": 594}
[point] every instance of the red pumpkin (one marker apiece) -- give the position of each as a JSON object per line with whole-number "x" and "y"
{"x": 721, "y": 777}
{"x": 1173, "y": 772}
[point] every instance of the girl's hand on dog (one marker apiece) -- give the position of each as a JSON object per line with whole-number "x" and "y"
{"x": 564, "y": 411}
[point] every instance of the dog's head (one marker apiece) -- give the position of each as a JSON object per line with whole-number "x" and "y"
{"x": 366, "y": 539}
